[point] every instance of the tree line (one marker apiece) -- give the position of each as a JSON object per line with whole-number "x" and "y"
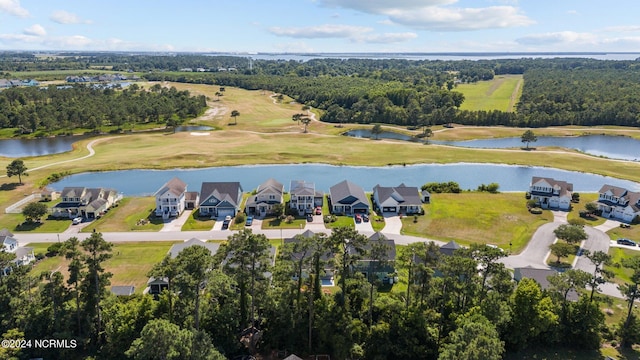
{"x": 53, "y": 109}
{"x": 242, "y": 302}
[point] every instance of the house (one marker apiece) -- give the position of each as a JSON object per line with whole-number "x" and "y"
{"x": 85, "y": 202}
{"x": 157, "y": 285}
{"x": 449, "y": 248}
{"x": 171, "y": 198}
{"x": 398, "y": 200}
{"x": 426, "y": 196}
{"x": 304, "y": 196}
{"x": 381, "y": 268}
{"x": 618, "y": 203}
{"x": 348, "y": 198}
{"x": 5, "y": 84}
{"x": 541, "y": 276}
{"x": 123, "y": 290}
{"x": 24, "y": 255}
{"x": 326, "y": 275}
{"x": 220, "y": 199}
{"x": 48, "y": 194}
{"x": 550, "y": 193}
{"x": 268, "y": 194}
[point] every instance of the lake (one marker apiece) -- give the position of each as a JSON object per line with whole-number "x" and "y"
{"x": 37, "y": 147}
{"x": 614, "y": 147}
{"x": 469, "y": 176}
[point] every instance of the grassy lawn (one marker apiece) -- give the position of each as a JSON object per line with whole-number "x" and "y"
{"x": 632, "y": 233}
{"x": 272, "y": 222}
{"x": 16, "y": 222}
{"x": 127, "y": 216}
{"x": 129, "y": 265}
{"x": 377, "y": 222}
{"x": 497, "y": 94}
{"x": 622, "y": 274}
{"x": 342, "y": 221}
{"x": 474, "y": 217}
{"x": 585, "y": 198}
{"x": 195, "y": 223}
{"x": 565, "y": 262}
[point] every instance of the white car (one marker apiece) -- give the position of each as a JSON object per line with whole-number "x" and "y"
{"x": 77, "y": 220}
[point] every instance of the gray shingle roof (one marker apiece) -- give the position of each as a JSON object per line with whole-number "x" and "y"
{"x": 347, "y": 193}
{"x": 223, "y": 191}
{"x": 175, "y": 186}
{"x": 177, "y": 248}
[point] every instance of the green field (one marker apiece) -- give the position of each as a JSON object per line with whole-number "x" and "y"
{"x": 474, "y": 217}
{"x": 132, "y": 214}
{"x": 501, "y": 93}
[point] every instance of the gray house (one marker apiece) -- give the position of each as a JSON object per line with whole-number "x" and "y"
{"x": 348, "y": 198}
{"x": 268, "y": 194}
{"x": 541, "y": 276}
{"x": 401, "y": 199}
{"x": 219, "y": 199}
{"x": 383, "y": 268}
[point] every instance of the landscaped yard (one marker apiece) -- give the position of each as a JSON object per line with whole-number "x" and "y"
{"x": 585, "y": 198}
{"x": 129, "y": 265}
{"x": 195, "y": 222}
{"x": 272, "y": 222}
{"x": 475, "y": 217}
{"x": 133, "y": 214}
{"x": 16, "y": 222}
{"x": 632, "y": 233}
{"x": 622, "y": 274}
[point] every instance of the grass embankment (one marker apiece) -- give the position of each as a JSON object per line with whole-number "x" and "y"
{"x": 133, "y": 214}
{"x": 129, "y": 264}
{"x": 474, "y": 217}
{"x": 501, "y": 93}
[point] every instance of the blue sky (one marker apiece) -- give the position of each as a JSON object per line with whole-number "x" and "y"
{"x": 321, "y": 25}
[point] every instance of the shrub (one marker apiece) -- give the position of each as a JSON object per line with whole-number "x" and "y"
{"x": 531, "y": 203}
{"x": 54, "y": 249}
{"x": 289, "y": 219}
{"x": 536, "y": 211}
{"x": 577, "y": 222}
{"x": 39, "y": 256}
{"x": 448, "y": 187}
{"x": 239, "y": 218}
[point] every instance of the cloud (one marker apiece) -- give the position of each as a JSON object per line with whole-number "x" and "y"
{"x": 383, "y": 6}
{"x": 35, "y": 30}
{"x": 321, "y": 31}
{"x": 573, "y": 12}
{"x": 561, "y": 37}
{"x": 446, "y": 19}
{"x": 623, "y": 28}
{"x": 13, "y": 7}
{"x": 64, "y": 17}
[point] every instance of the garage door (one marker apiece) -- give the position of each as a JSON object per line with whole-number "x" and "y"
{"x": 225, "y": 212}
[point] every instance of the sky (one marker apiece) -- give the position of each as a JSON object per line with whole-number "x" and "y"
{"x": 306, "y": 26}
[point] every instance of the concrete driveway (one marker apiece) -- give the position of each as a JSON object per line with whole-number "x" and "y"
{"x": 364, "y": 227}
{"x": 392, "y": 224}
{"x": 176, "y": 224}
{"x": 317, "y": 225}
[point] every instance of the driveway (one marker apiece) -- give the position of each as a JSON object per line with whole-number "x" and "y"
{"x": 176, "y": 224}
{"x": 608, "y": 225}
{"x": 317, "y": 225}
{"x": 364, "y": 227}
{"x": 392, "y": 224}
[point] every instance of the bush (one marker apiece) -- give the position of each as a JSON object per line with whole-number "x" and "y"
{"x": 535, "y": 210}
{"x": 240, "y": 218}
{"x": 54, "y": 249}
{"x": 448, "y": 187}
{"x": 531, "y": 203}
{"x": 491, "y": 188}
{"x": 577, "y": 222}
{"x": 289, "y": 219}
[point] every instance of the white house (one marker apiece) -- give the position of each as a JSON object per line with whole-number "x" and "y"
{"x": 304, "y": 196}
{"x": 401, "y": 199}
{"x": 85, "y": 202}
{"x": 618, "y": 203}
{"x": 24, "y": 255}
{"x": 268, "y": 194}
{"x": 170, "y": 198}
{"x": 550, "y": 193}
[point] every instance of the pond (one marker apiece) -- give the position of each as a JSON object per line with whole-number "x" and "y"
{"x": 39, "y": 146}
{"x": 187, "y": 128}
{"x": 469, "y": 176}
{"x": 614, "y": 147}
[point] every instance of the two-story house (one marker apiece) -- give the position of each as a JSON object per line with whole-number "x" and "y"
{"x": 551, "y": 193}
{"x": 401, "y": 199}
{"x": 9, "y": 244}
{"x": 220, "y": 199}
{"x": 267, "y": 195}
{"x": 172, "y": 199}
{"x": 85, "y": 202}
{"x": 618, "y": 203}
{"x": 304, "y": 196}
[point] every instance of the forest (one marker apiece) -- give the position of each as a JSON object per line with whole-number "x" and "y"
{"x": 412, "y": 93}
{"x": 239, "y": 301}
{"x": 55, "y": 109}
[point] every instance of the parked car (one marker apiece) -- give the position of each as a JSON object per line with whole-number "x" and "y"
{"x": 226, "y": 222}
{"x": 365, "y": 217}
{"x": 623, "y": 241}
{"x": 358, "y": 218}
{"x": 309, "y": 217}
{"x": 319, "y": 210}
{"x": 77, "y": 220}
{"x": 249, "y": 221}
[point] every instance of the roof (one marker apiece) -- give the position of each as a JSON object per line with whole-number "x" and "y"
{"x": 177, "y": 248}
{"x": 174, "y": 186}
{"x": 347, "y": 193}
{"x": 123, "y": 290}
{"x": 5, "y": 232}
{"x": 72, "y": 192}
{"x": 449, "y": 248}
{"x": 293, "y": 357}
{"x": 191, "y": 195}
{"x": 223, "y": 191}
{"x": 402, "y": 194}
{"x": 379, "y": 238}
{"x": 300, "y": 187}
{"x": 615, "y": 190}
{"x": 326, "y": 256}
{"x": 269, "y": 187}
{"x": 563, "y": 187}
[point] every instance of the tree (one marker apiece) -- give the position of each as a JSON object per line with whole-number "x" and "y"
{"x": 305, "y": 121}
{"x": 475, "y": 339}
{"x": 192, "y": 266}
{"x": 349, "y": 245}
{"x": 166, "y": 269}
{"x": 96, "y": 278}
{"x": 600, "y": 274}
{"x": 71, "y": 251}
{"x": 34, "y": 211}
{"x": 572, "y": 234}
{"x": 561, "y": 249}
{"x": 297, "y": 117}
{"x": 234, "y": 115}
{"x": 528, "y": 137}
{"x": 591, "y": 207}
{"x": 161, "y": 340}
{"x": 17, "y": 167}
{"x": 376, "y": 130}
{"x": 532, "y": 314}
